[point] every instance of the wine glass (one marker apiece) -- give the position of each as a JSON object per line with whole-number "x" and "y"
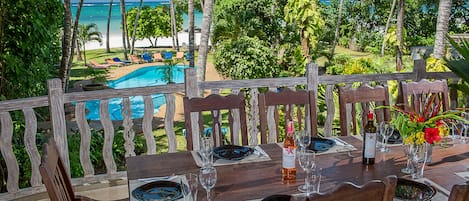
{"x": 386, "y": 132}
{"x": 208, "y": 179}
{"x": 419, "y": 158}
{"x": 409, "y": 169}
{"x": 206, "y": 146}
{"x": 190, "y": 193}
{"x": 307, "y": 160}
{"x": 303, "y": 138}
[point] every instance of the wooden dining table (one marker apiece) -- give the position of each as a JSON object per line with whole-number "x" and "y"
{"x": 260, "y": 179}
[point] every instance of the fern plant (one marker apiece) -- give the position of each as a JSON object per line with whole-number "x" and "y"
{"x": 460, "y": 66}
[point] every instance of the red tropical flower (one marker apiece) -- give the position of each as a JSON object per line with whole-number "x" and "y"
{"x": 432, "y": 135}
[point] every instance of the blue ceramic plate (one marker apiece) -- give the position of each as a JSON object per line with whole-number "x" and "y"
{"x": 319, "y": 145}
{"x": 232, "y": 152}
{"x": 158, "y": 190}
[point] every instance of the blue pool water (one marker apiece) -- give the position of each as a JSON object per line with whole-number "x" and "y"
{"x": 143, "y": 77}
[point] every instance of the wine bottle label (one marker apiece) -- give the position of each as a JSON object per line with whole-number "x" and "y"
{"x": 288, "y": 157}
{"x": 370, "y": 145}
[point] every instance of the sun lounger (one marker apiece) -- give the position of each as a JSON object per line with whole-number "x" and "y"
{"x": 179, "y": 55}
{"x": 146, "y": 57}
{"x": 135, "y": 59}
{"x": 157, "y": 57}
{"x": 114, "y": 63}
{"x": 97, "y": 65}
{"x": 117, "y": 59}
{"x": 168, "y": 55}
{"x": 188, "y": 56}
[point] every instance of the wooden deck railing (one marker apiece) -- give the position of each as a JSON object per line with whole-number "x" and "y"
{"x": 56, "y": 100}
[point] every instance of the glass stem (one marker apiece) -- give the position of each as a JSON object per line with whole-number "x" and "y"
{"x": 208, "y": 195}
{"x": 307, "y": 179}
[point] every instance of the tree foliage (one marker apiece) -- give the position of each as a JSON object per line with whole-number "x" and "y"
{"x": 246, "y": 58}
{"x": 88, "y": 33}
{"x": 153, "y": 22}
{"x": 29, "y": 46}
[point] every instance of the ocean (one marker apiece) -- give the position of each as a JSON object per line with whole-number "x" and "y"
{"x": 97, "y": 12}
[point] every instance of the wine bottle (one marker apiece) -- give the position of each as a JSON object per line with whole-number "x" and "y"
{"x": 288, "y": 156}
{"x": 369, "y": 141}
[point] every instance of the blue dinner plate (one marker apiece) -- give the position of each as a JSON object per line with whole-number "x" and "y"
{"x": 232, "y": 152}
{"x": 320, "y": 144}
{"x": 158, "y": 191}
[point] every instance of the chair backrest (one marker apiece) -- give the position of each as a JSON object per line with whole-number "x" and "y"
{"x": 179, "y": 55}
{"x": 216, "y": 104}
{"x": 54, "y": 175}
{"x": 375, "y": 190}
{"x": 287, "y": 100}
{"x": 157, "y": 56}
{"x": 168, "y": 55}
{"x": 364, "y": 95}
{"x": 146, "y": 57}
{"x": 414, "y": 93}
{"x": 459, "y": 193}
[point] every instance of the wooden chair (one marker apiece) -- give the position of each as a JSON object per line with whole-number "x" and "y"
{"x": 216, "y": 104}
{"x": 287, "y": 100}
{"x": 374, "y": 190}
{"x": 413, "y": 93}
{"x": 364, "y": 95}
{"x": 459, "y": 193}
{"x": 55, "y": 177}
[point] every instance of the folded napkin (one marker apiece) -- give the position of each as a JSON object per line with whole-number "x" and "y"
{"x": 135, "y": 183}
{"x": 258, "y": 155}
{"x": 340, "y": 146}
{"x": 464, "y": 175}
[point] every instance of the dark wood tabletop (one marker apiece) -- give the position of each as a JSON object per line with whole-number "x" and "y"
{"x": 259, "y": 179}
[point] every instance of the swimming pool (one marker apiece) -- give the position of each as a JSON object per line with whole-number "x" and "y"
{"x": 143, "y": 77}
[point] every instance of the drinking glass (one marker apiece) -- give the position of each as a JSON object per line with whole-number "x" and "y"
{"x": 303, "y": 138}
{"x": 409, "y": 169}
{"x": 191, "y": 191}
{"x": 307, "y": 160}
{"x": 457, "y": 129}
{"x": 465, "y": 133}
{"x": 206, "y": 147}
{"x": 316, "y": 174}
{"x": 419, "y": 158}
{"x": 208, "y": 179}
{"x": 386, "y": 130}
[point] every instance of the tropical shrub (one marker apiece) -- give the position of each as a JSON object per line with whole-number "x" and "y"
{"x": 245, "y": 58}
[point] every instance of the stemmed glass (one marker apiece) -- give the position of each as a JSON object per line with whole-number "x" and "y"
{"x": 190, "y": 193}
{"x": 206, "y": 146}
{"x": 208, "y": 179}
{"x": 464, "y": 135}
{"x": 409, "y": 169}
{"x": 457, "y": 130}
{"x": 307, "y": 160}
{"x": 386, "y": 130}
{"x": 303, "y": 138}
{"x": 419, "y": 158}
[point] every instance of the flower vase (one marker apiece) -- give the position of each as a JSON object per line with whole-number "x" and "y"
{"x": 429, "y": 153}
{"x": 409, "y": 169}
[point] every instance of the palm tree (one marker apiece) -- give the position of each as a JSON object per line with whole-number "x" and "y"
{"x": 399, "y": 34}
{"x": 88, "y": 33}
{"x": 66, "y": 41}
{"x": 442, "y": 23}
{"x": 108, "y": 27}
{"x": 190, "y": 14}
{"x": 337, "y": 28}
{"x": 124, "y": 29}
{"x": 204, "y": 36}
{"x": 135, "y": 27}
{"x": 388, "y": 22}
{"x": 173, "y": 24}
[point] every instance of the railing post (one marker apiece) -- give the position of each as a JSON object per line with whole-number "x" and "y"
{"x": 312, "y": 81}
{"x": 192, "y": 90}
{"x": 420, "y": 69}
{"x": 57, "y": 116}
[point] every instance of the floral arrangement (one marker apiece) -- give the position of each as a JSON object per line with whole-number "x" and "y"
{"x": 429, "y": 125}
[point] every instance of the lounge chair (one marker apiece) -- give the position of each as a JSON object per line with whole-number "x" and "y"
{"x": 157, "y": 57}
{"x": 117, "y": 59}
{"x": 94, "y": 64}
{"x": 168, "y": 55}
{"x": 114, "y": 63}
{"x": 179, "y": 55}
{"x": 188, "y": 56}
{"x": 135, "y": 59}
{"x": 146, "y": 57}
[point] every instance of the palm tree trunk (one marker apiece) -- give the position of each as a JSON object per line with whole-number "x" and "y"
{"x": 204, "y": 37}
{"x": 78, "y": 52}
{"x": 173, "y": 24}
{"x": 190, "y": 14}
{"x": 442, "y": 23}
{"x": 337, "y": 28}
{"x": 124, "y": 32}
{"x": 84, "y": 53}
{"x": 383, "y": 46}
{"x": 74, "y": 41}
{"x": 135, "y": 27}
{"x": 108, "y": 49}
{"x": 399, "y": 34}
{"x": 66, "y": 42}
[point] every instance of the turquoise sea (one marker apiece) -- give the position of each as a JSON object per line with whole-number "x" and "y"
{"x": 97, "y": 12}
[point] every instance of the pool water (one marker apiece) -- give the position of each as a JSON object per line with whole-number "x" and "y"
{"x": 143, "y": 77}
